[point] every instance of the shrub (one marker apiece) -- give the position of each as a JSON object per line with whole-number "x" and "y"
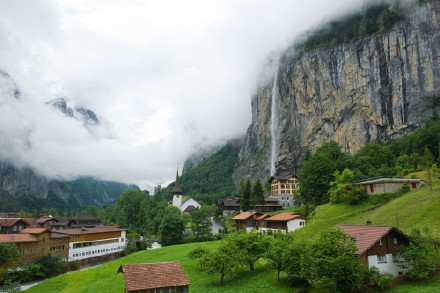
{"x": 378, "y": 280}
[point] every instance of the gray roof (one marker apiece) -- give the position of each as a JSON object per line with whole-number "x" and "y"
{"x": 388, "y": 180}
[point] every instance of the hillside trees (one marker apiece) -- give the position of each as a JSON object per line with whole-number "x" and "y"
{"x": 330, "y": 262}
{"x": 245, "y": 195}
{"x": 318, "y": 171}
{"x": 251, "y": 245}
{"x": 201, "y": 223}
{"x": 224, "y": 260}
{"x": 171, "y": 227}
{"x": 8, "y": 258}
{"x": 420, "y": 257}
{"x": 257, "y": 193}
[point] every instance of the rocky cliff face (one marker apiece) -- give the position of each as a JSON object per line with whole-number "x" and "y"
{"x": 372, "y": 90}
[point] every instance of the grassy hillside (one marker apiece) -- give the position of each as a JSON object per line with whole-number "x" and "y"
{"x": 105, "y": 279}
{"x": 417, "y": 208}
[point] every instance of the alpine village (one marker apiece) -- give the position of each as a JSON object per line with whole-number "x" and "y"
{"x": 334, "y": 187}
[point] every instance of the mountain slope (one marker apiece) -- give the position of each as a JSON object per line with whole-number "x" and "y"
{"x": 25, "y": 189}
{"x": 370, "y": 90}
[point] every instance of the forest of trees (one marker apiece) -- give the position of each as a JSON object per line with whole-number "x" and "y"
{"x": 330, "y": 165}
{"x": 210, "y": 179}
{"x": 377, "y": 17}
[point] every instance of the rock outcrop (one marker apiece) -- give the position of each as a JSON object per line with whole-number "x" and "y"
{"x": 372, "y": 90}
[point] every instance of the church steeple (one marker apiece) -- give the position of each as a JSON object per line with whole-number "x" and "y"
{"x": 177, "y": 188}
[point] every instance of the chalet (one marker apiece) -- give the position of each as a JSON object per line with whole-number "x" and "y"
{"x": 185, "y": 205}
{"x": 46, "y": 222}
{"x": 385, "y": 185}
{"x": 83, "y": 220}
{"x": 248, "y": 220}
{"x": 228, "y": 206}
{"x": 33, "y": 243}
{"x": 15, "y": 225}
{"x": 155, "y": 278}
{"x": 284, "y": 222}
{"x": 377, "y": 246}
{"x": 283, "y": 189}
{"x": 93, "y": 242}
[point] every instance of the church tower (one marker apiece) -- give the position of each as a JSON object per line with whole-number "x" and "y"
{"x": 177, "y": 192}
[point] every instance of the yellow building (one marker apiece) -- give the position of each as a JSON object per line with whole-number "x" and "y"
{"x": 283, "y": 185}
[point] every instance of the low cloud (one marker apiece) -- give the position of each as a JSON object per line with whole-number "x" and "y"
{"x": 166, "y": 77}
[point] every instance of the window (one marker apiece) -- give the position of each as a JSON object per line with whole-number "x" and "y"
{"x": 395, "y": 258}
{"x": 381, "y": 241}
{"x": 381, "y": 259}
{"x": 395, "y": 240}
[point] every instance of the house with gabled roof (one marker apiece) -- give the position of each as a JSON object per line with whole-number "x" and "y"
{"x": 389, "y": 185}
{"x": 15, "y": 225}
{"x": 229, "y": 205}
{"x": 377, "y": 246}
{"x": 155, "y": 277}
{"x": 33, "y": 243}
{"x": 284, "y": 222}
{"x": 248, "y": 220}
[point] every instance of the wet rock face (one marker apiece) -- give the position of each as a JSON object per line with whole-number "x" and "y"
{"x": 373, "y": 90}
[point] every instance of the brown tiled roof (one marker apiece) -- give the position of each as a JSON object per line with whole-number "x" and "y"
{"x": 100, "y": 229}
{"x": 153, "y": 275}
{"x": 366, "y": 236}
{"x": 8, "y": 222}
{"x": 34, "y": 230}
{"x": 17, "y": 238}
{"x": 43, "y": 220}
{"x": 244, "y": 216}
{"x": 286, "y": 217}
{"x": 31, "y": 222}
{"x": 262, "y": 217}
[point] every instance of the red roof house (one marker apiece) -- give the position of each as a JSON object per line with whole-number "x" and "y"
{"x": 149, "y": 277}
{"x": 248, "y": 220}
{"x": 377, "y": 245}
{"x": 285, "y": 222}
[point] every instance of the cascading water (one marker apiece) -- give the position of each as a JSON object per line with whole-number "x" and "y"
{"x": 274, "y": 124}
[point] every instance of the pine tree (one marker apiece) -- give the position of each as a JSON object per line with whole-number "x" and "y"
{"x": 245, "y": 196}
{"x": 257, "y": 193}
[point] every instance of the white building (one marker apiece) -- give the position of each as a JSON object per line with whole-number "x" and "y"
{"x": 94, "y": 242}
{"x": 378, "y": 246}
{"x": 184, "y": 204}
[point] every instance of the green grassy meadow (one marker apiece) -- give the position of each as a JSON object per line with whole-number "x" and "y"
{"x": 106, "y": 279}
{"x": 417, "y": 208}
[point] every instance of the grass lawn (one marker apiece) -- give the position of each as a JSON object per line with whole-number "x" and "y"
{"x": 417, "y": 208}
{"x": 105, "y": 279}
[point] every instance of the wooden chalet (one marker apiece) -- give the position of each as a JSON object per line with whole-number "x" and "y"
{"x": 284, "y": 222}
{"x": 228, "y": 206}
{"x": 378, "y": 246}
{"x": 248, "y": 220}
{"x": 155, "y": 278}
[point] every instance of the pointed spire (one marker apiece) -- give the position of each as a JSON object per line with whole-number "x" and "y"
{"x": 177, "y": 189}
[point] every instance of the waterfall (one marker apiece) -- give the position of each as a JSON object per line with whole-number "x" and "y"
{"x": 274, "y": 124}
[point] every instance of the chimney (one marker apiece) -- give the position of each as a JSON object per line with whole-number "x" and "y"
{"x": 368, "y": 222}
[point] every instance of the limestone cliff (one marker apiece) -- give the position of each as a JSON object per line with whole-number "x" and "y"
{"x": 371, "y": 90}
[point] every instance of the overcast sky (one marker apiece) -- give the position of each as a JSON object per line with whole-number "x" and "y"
{"x": 165, "y": 77}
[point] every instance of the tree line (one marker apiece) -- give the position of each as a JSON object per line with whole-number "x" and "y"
{"x": 327, "y": 261}
{"x": 330, "y": 167}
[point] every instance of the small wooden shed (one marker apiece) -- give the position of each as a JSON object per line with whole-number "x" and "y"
{"x": 162, "y": 277}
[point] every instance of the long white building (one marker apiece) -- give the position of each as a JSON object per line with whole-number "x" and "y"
{"x": 93, "y": 242}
